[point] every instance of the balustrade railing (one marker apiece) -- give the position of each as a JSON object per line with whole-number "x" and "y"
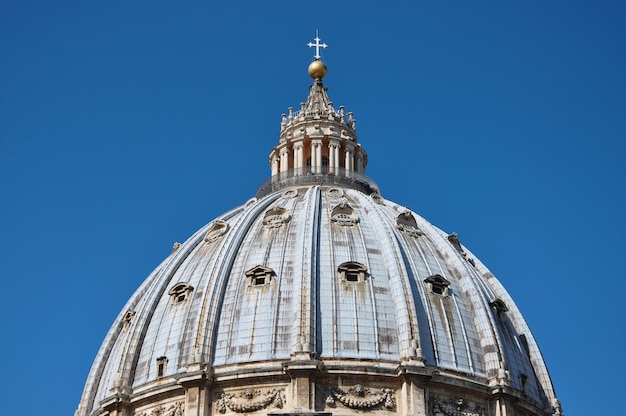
{"x": 321, "y": 175}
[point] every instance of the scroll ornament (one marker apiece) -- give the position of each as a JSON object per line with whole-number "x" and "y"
{"x": 176, "y": 409}
{"x": 359, "y": 397}
{"x": 249, "y": 400}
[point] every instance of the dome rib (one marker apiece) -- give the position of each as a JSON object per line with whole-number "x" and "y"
{"x": 306, "y": 329}
{"x": 234, "y": 242}
{"x": 408, "y": 324}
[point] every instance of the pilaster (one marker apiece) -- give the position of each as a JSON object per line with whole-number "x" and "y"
{"x": 302, "y": 373}
{"x": 197, "y": 393}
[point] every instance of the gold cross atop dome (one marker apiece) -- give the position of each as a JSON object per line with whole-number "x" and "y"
{"x": 317, "y": 68}
{"x": 317, "y": 45}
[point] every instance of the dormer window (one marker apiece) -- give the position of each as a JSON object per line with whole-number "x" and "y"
{"x": 290, "y": 193}
{"x": 259, "y": 276}
{"x": 406, "y": 223}
{"x": 499, "y": 306}
{"x": 437, "y": 284}
{"x": 335, "y": 192}
{"x": 377, "y": 198}
{"x": 161, "y": 366}
{"x": 249, "y": 203}
{"x": 180, "y": 292}
{"x": 275, "y": 217}
{"x": 352, "y": 272}
{"x": 454, "y": 240}
{"x": 218, "y": 229}
{"x": 128, "y": 318}
{"x": 343, "y": 214}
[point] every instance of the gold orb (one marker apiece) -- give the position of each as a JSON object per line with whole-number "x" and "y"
{"x": 317, "y": 69}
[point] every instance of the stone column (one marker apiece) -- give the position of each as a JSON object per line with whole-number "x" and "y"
{"x": 298, "y": 163}
{"x": 333, "y": 159}
{"x": 349, "y": 164}
{"x": 316, "y": 155}
{"x": 359, "y": 162}
{"x": 275, "y": 165}
{"x": 284, "y": 159}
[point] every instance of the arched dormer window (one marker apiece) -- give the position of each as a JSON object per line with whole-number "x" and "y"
{"x": 352, "y": 272}
{"x": 218, "y": 229}
{"x": 249, "y": 203}
{"x": 275, "y": 217}
{"x": 377, "y": 198}
{"x": 406, "y": 223}
{"x": 454, "y": 240}
{"x": 180, "y": 292}
{"x": 499, "y": 306}
{"x": 437, "y": 284}
{"x": 335, "y": 192}
{"x": 343, "y": 214}
{"x": 290, "y": 193}
{"x": 259, "y": 275}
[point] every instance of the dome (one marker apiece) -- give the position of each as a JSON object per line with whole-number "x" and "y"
{"x": 319, "y": 296}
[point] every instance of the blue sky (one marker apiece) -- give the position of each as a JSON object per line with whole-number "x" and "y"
{"x": 126, "y": 126}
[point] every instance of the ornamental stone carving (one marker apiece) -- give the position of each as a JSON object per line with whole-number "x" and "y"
{"x": 218, "y": 229}
{"x": 275, "y": 217}
{"x": 344, "y": 215}
{"x": 456, "y": 407}
{"x": 361, "y": 398}
{"x": 176, "y": 409}
{"x": 250, "y": 400}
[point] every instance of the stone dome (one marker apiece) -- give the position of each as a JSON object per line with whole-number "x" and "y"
{"x": 319, "y": 296}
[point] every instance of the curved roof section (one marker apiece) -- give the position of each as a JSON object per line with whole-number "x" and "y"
{"x": 415, "y": 296}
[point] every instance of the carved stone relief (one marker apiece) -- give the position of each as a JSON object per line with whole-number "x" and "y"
{"x": 176, "y": 409}
{"x": 362, "y": 398}
{"x": 456, "y": 407}
{"x": 250, "y": 400}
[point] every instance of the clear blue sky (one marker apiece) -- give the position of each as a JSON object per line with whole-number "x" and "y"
{"x": 126, "y": 126}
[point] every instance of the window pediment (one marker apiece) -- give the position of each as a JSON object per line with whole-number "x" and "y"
{"x": 406, "y": 223}
{"x": 180, "y": 292}
{"x": 352, "y": 272}
{"x": 259, "y": 275}
{"x": 437, "y": 284}
{"x": 499, "y": 306}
